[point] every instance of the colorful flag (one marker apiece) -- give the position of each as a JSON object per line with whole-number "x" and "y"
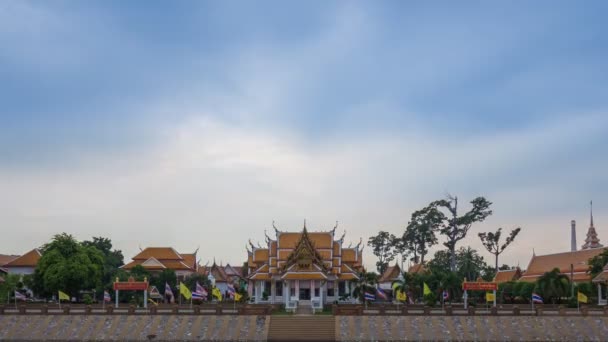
{"x": 381, "y": 294}
{"x": 536, "y": 298}
{"x": 63, "y": 296}
{"x": 489, "y": 297}
{"x": 185, "y": 291}
{"x": 237, "y": 297}
{"x": 106, "y": 297}
{"x": 231, "y": 290}
{"x": 446, "y": 295}
{"x": 199, "y": 293}
{"x": 19, "y": 295}
{"x": 581, "y": 297}
{"x": 426, "y": 290}
{"x": 168, "y": 290}
{"x": 369, "y": 296}
{"x": 216, "y": 293}
{"x": 401, "y": 296}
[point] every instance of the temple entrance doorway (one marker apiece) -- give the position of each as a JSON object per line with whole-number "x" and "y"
{"x": 304, "y": 294}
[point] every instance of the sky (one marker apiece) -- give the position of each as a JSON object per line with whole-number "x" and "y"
{"x": 196, "y": 124}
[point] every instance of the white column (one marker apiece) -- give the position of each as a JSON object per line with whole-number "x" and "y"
{"x": 297, "y": 282}
{"x": 599, "y": 293}
{"x": 273, "y": 291}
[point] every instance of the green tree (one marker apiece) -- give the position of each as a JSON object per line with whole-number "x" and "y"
{"x": 139, "y": 273}
{"x": 69, "y": 266}
{"x": 420, "y": 235}
{"x": 11, "y": 283}
{"x": 366, "y": 282}
{"x": 553, "y": 285}
{"x": 166, "y": 276}
{"x": 469, "y": 263}
{"x": 455, "y": 228}
{"x": 597, "y": 263}
{"x": 113, "y": 258}
{"x": 382, "y": 247}
{"x": 491, "y": 241}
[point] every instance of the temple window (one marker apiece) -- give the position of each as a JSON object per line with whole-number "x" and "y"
{"x": 279, "y": 288}
{"x": 330, "y": 289}
{"x": 341, "y": 288}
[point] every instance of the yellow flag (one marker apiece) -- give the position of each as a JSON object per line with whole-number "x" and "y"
{"x": 237, "y": 297}
{"x": 63, "y": 296}
{"x": 489, "y": 297}
{"x": 183, "y": 289}
{"x": 581, "y": 297}
{"x": 401, "y": 296}
{"x": 217, "y": 293}
{"x": 427, "y": 290}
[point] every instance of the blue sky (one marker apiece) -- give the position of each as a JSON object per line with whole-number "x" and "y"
{"x": 136, "y": 119}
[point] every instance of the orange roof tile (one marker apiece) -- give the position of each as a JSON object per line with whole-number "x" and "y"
{"x": 5, "y": 259}
{"x": 289, "y": 240}
{"x": 29, "y": 259}
{"x": 336, "y": 248}
{"x": 348, "y": 255}
{"x": 190, "y": 260}
{"x": 347, "y": 276}
{"x": 507, "y": 275}
{"x": 159, "y": 253}
{"x": 545, "y": 263}
{"x": 260, "y": 254}
{"x": 390, "y": 274}
{"x": 579, "y": 277}
{"x": 310, "y": 275}
{"x": 416, "y": 268}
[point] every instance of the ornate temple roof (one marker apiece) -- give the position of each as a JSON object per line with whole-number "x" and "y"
{"x": 592, "y": 241}
{"x": 29, "y": 259}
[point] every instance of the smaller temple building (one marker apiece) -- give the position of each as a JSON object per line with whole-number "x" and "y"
{"x": 157, "y": 259}
{"x": 25, "y": 264}
{"x": 303, "y": 268}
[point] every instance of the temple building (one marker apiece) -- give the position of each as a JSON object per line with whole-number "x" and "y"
{"x": 220, "y": 276}
{"x": 157, "y": 259}
{"x": 390, "y": 275}
{"x": 503, "y": 276}
{"x": 574, "y": 264}
{"x": 25, "y": 264}
{"x": 303, "y": 268}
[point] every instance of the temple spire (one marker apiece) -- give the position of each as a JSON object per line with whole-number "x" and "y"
{"x": 592, "y": 241}
{"x": 591, "y": 207}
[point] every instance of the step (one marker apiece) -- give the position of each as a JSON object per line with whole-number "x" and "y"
{"x": 301, "y": 328}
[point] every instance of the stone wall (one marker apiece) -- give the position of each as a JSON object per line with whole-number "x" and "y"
{"x": 133, "y": 327}
{"x": 470, "y": 328}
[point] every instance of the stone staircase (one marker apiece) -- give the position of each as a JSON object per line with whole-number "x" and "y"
{"x": 302, "y": 328}
{"x": 304, "y": 308}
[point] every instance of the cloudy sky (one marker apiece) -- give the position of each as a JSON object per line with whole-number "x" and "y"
{"x": 196, "y": 124}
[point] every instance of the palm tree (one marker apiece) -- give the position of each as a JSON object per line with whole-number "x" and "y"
{"x": 554, "y": 285}
{"x": 366, "y": 282}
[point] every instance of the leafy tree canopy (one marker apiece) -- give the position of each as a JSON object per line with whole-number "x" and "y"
{"x": 68, "y": 266}
{"x": 382, "y": 247}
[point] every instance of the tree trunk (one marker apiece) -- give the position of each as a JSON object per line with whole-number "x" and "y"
{"x": 452, "y": 258}
{"x": 496, "y": 271}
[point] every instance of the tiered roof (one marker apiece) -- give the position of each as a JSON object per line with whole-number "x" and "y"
{"x": 160, "y": 258}
{"x": 304, "y": 255}
{"x": 592, "y": 241}
{"x": 562, "y": 261}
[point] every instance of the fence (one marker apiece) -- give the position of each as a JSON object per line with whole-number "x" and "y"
{"x": 257, "y": 309}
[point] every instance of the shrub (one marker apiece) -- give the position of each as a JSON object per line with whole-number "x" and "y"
{"x": 87, "y": 299}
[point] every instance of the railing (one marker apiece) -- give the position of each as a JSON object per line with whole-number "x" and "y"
{"x": 417, "y": 310}
{"x": 316, "y": 304}
{"x": 227, "y": 309}
{"x": 291, "y": 305}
